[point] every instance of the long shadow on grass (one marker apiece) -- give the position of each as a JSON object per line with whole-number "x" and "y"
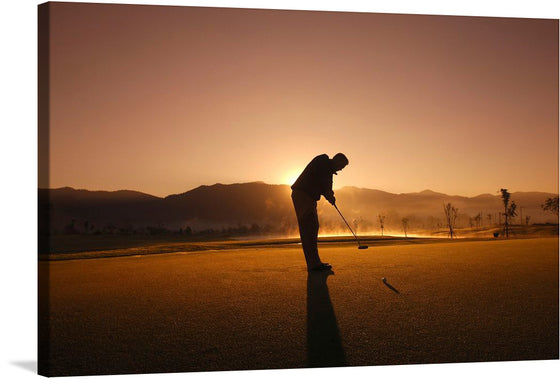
{"x": 324, "y": 346}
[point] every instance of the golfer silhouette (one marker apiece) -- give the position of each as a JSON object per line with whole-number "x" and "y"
{"x": 315, "y": 180}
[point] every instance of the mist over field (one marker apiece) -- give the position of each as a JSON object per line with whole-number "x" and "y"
{"x": 259, "y": 209}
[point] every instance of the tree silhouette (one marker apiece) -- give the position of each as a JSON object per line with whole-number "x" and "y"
{"x": 551, "y": 204}
{"x": 478, "y": 220}
{"x": 381, "y": 222}
{"x": 71, "y": 228}
{"x": 509, "y": 209}
{"x": 450, "y": 218}
{"x": 357, "y": 222}
{"x": 405, "y": 226}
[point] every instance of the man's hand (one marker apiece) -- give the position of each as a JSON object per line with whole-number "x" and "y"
{"x": 332, "y": 200}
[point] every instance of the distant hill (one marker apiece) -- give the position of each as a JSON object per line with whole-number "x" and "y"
{"x": 264, "y": 206}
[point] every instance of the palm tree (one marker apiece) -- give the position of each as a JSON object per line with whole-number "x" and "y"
{"x": 509, "y": 209}
{"x": 551, "y": 204}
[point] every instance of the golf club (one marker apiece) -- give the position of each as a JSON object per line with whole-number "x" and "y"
{"x": 360, "y": 246}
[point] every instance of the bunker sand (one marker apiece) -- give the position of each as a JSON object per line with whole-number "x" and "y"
{"x": 256, "y": 308}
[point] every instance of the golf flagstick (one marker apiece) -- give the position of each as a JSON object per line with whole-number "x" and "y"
{"x": 360, "y": 246}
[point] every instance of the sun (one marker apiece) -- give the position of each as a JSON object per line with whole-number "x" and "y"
{"x": 290, "y": 177}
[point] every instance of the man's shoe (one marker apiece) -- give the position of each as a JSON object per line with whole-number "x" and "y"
{"x": 321, "y": 267}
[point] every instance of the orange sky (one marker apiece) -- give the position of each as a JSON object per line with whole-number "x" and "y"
{"x": 164, "y": 99}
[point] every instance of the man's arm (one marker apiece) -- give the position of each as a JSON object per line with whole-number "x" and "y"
{"x": 327, "y": 182}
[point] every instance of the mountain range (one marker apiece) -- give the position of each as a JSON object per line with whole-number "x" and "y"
{"x": 268, "y": 207}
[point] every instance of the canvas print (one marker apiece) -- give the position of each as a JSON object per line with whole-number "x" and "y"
{"x": 241, "y": 189}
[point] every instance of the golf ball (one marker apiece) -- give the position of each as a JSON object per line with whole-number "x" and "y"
{"x": 384, "y": 279}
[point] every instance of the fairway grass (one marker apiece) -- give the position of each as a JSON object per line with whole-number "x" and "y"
{"x": 257, "y": 307}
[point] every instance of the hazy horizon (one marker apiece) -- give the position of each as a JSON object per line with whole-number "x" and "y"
{"x": 162, "y": 99}
{"x": 497, "y": 193}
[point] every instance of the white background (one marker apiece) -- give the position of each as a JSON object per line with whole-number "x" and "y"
{"x": 18, "y": 149}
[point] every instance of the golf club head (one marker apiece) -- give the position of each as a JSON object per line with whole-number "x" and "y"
{"x": 362, "y": 247}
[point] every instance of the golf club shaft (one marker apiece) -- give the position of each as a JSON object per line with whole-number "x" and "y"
{"x": 347, "y": 224}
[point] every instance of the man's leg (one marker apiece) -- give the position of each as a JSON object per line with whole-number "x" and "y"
{"x": 308, "y": 222}
{"x": 309, "y": 231}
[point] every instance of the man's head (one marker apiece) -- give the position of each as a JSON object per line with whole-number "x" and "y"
{"x": 339, "y": 161}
